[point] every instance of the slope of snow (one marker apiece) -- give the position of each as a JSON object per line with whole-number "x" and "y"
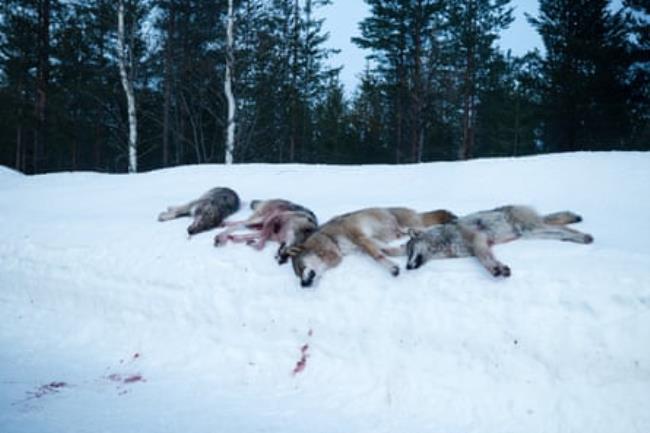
{"x": 113, "y": 322}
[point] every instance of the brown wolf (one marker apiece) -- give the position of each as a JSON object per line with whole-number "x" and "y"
{"x": 208, "y": 211}
{"x": 277, "y": 220}
{"x": 474, "y": 235}
{"x": 368, "y": 230}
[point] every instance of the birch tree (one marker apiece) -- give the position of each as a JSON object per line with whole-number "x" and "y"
{"x": 230, "y": 131}
{"x": 124, "y": 59}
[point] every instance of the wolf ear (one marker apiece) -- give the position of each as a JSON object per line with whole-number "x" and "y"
{"x": 295, "y": 250}
{"x": 414, "y": 233}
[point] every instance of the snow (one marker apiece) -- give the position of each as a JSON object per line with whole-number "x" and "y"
{"x": 114, "y": 322}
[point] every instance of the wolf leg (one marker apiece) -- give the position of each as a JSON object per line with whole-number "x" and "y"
{"x": 369, "y": 247}
{"x": 248, "y": 238}
{"x": 222, "y": 237}
{"x": 173, "y": 212}
{"x": 561, "y": 218}
{"x": 259, "y": 245}
{"x": 559, "y": 233}
{"x": 233, "y": 223}
{"x": 395, "y": 251}
{"x": 282, "y": 255}
{"x": 483, "y": 252}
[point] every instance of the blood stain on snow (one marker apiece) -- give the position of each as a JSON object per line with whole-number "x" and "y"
{"x": 48, "y": 389}
{"x": 132, "y": 378}
{"x": 302, "y": 362}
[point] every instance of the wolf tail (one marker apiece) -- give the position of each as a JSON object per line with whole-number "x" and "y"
{"x": 561, "y": 218}
{"x": 440, "y": 216}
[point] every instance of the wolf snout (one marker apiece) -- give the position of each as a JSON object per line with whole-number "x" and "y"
{"x": 282, "y": 258}
{"x": 414, "y": 264}
{"x": 307, "y": 282}
{"x": 588, "y": 239}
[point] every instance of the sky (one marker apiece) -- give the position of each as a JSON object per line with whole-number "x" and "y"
{"x": 343, "y": 16}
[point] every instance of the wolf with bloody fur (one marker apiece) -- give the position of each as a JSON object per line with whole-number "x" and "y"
{"x": 276, "y": 220}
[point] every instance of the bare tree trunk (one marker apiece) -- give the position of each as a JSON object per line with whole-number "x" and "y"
{"x": 166, "y": 107}
{"x": 400, "y": 113}
{"x": 19, "y": 127}
{"x": 295, "y": 37}
{"x": 19, "y": 145}
{"x": 416, "y": 91}
{"x": 230, "y": 134}
{"x": 171, "y": 27}
{"x": 97, "y": 145}
{"x": 43, "y": 76}
{"x": 127, "y": 84}
{"x": 515, "y": 147}
{"x": 465, "y": 151}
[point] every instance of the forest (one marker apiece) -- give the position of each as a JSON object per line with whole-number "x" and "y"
{"x": 128, "y": 85}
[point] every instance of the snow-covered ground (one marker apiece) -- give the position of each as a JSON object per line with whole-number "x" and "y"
{"x": 113, "y": 322}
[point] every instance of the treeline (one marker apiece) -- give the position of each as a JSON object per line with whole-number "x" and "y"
{"x": 436, "y": 85}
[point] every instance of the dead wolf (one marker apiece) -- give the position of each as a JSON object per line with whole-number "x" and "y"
{"x": 474, "y": 235}
{"x": 277, "y": 220}
{"x": 208, "y": 211}
{"x": 368, "y": 230}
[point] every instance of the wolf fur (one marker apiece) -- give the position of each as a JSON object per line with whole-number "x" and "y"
{"x": 474, "y": 235}
{"x": 368, "y": 230}
{"x": 277, "y": 220}
{"x": 208, "y": 211}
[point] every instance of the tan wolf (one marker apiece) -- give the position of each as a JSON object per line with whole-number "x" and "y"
{"x": 474, "y": 235}
{"x": 368, "y": 230}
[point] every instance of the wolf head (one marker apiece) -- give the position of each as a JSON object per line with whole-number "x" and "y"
{"x": 417, "y": 250}
{"x": 310, "y": 259}
{"x": 424, "y": 246}
{"x": 299, "y": 231}
{"x": 206, "y": 217}
{"x": 212, "y": 208}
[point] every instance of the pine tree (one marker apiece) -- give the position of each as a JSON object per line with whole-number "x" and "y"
{"x": 331, "y": 126}
{"x": 586, "y": 94}
{"x": 474, "y": 26}
{"x": 639, "y": 17}
{"x": 403, "y": 37}
{"x": 19, "y": 29}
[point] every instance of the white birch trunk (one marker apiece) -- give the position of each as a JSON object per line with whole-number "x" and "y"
{"x": 127, "y": 84}
{"x": 230, "y": 132}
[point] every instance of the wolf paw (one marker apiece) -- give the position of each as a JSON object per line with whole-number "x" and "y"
{"x": 281, "y": 258}
{"x": 394, "y": 271}
{"x": 500, "y": 270}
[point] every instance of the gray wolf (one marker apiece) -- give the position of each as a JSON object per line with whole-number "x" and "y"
{"x": 208, "y": 211}
{"x": 277, "y": 220}
{"x": 474, "y": 235}
{"x": 368, "y": 230}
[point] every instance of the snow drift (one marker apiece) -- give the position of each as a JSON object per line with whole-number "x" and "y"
{"x": 113, "y": 322}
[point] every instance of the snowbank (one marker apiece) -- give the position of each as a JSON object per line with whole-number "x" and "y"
{"x": 113, "y": 322}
